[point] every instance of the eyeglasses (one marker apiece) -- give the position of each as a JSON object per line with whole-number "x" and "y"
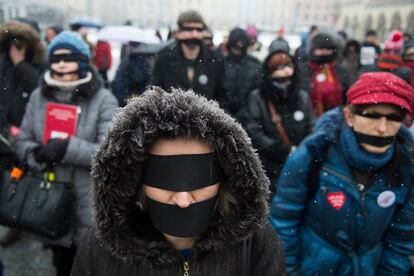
{"x": 191, "y": 29}
{"x": 376, "y": 116}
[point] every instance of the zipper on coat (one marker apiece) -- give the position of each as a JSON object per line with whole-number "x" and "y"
{"x": 186, "y": 268}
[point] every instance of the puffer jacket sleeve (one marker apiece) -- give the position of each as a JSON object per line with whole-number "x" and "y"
{"x": 289, "y": 204}
{"x": 80, "y": 152}
{"x": 254, "y": 124}
{"x": 398, "y": 241}
{"x": 25, "y": 142}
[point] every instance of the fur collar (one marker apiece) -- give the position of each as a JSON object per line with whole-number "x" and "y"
{"x": 64, "y": 85}
{"x": 84, "y": 89}
{"x": 117, "y": 172}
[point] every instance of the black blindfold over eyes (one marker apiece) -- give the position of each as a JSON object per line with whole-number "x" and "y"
{"x": 376, "y": 116}
{"x": 190, "y": 29}
{"x": 181, "y": 173}
{"x": 67, "y": 58}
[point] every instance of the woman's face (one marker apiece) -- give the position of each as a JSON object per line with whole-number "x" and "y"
{"x": 381, "y": 127}
{"x": 65, "y": 67}
{"x": 176, "y": 147}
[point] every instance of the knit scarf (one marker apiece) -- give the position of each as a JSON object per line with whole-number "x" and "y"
{"x": 389, "y": 61}
{"x": 359, "y": 158}
{"x": 326, "y": 90}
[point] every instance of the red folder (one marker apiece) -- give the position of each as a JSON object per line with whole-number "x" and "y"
{"x": 60, "y": 121}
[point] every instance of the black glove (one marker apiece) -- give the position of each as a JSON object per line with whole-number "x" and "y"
{"x": 51, "y": 153}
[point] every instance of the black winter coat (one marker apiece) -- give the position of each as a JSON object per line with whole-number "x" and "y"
{"x": 16, "y": 84}
{"x": 242, "y": 76}
{"x": 124, "y": 241}
{"x": 132, "y": 76}
{"x": 252, "y": 256}
{"x": 208, "y": 81}
{"x": 297, "y": 120}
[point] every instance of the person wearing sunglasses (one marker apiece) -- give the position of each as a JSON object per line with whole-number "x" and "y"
{"x": 189, "y": 63}
{"x": 64, "y": 123}
{"x": 345, "y": 198}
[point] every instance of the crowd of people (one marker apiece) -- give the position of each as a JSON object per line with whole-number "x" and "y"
{"x": 302, "y": 164}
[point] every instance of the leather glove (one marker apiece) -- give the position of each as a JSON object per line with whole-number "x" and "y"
{"x": 51, "y": 153}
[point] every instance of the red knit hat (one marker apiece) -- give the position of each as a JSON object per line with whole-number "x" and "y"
{"x": 382, "y": 87}
{"x": 394, "y": 43}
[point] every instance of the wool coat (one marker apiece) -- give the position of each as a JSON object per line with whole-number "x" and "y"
{"x": 96, "y": 106}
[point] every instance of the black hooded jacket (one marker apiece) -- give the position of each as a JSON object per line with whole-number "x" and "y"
{"x": 18, "y": 81}
{"x": 297, "y": 118}
{"x": 123, "y": 240}
{"x": 242, "y": 73}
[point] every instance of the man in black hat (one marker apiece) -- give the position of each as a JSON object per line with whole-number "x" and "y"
{"x": 324, "y": 79}
{"x": 188, "y": 63}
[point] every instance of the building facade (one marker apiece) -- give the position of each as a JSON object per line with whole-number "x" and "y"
{"x": 356, "y": 17}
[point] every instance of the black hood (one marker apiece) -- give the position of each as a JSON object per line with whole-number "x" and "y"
{"x": 117, "y": 170}
{"x": 238, "y": 35}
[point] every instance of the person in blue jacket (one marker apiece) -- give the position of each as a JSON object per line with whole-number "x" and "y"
{"x": 348, "y": 209}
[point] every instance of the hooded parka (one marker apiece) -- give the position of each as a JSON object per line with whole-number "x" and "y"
{"x": 18, "y": 81}
{"x": 123, "y": 240}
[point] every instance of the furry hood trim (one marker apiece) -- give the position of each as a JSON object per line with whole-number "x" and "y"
{"x": 117, "y": 171}
{"x": 17, "y": 32}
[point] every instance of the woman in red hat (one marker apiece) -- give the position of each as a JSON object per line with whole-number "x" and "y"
{"x": 348, "y": 208}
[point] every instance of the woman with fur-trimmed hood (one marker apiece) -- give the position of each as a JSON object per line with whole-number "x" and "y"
{"x": 21, "y": 63}
{"x": 178, "y": 190}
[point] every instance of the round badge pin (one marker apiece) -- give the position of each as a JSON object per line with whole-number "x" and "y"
{"x": 386, "y": 199}
{"x": 203, "y": 79}
{"x": 321, "y": 77}
{"x": 298, "y": 115}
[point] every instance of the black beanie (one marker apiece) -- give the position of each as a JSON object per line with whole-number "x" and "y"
{"x": 236, "y": 35}
{"x": 323, "y": 41}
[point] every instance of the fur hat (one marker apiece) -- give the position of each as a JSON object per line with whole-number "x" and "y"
{"x": 394, "y": 43}
{"x": 22, "y": 33}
